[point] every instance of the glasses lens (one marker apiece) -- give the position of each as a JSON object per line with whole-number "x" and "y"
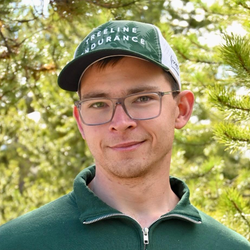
{"x": 96, "y": 111}
{"x": 143, "y": 106}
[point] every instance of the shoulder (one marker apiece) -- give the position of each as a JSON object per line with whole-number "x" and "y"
{"x": 222, "y": 236}
{"x": 41, "y": 223}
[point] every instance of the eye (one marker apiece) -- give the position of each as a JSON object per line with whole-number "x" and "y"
{"x": 98, "y": 105}
{"x": 145, "y": 98}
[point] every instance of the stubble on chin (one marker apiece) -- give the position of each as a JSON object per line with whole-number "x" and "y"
{"x": 125, "y": 168}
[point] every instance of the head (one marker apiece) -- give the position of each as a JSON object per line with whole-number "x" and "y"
{"x": 131, "y": 143}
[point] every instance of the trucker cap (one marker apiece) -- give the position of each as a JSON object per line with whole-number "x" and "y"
{"x": 119, "y": 38}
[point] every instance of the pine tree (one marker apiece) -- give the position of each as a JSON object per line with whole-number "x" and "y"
{"x": 233, "y": 96}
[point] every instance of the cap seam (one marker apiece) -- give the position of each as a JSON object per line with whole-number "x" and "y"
{"x": 158, "y": 43}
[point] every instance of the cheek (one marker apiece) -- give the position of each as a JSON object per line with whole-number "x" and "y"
{"x": 93, "y": 137}
{"x": 164, "y": 130}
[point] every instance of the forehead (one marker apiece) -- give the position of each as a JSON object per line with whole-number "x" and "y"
{"x": 121, "y": 74}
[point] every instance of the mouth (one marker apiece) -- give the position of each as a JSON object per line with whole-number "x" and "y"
{"x": 127, "y": 146}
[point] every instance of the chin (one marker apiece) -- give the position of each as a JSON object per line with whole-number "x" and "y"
{"x": 129, "y": 170}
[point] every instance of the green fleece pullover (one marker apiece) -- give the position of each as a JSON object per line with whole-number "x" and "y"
{"x": 80, "y": 220}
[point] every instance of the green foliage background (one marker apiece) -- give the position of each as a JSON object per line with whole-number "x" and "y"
{"x": 40, "y": 158}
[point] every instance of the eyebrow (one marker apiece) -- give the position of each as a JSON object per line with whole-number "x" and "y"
{"x": 140, "y": 89}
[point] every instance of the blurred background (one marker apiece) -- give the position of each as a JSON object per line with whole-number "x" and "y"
{"x": 41, "y": 150}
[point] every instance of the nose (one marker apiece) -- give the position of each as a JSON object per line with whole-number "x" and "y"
{"x": 121, "y": 121}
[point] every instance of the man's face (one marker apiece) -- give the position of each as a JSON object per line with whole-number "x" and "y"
{"x": 124, "y": 147}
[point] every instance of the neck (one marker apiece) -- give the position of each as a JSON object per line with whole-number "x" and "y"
{"x": 144, "y": 198}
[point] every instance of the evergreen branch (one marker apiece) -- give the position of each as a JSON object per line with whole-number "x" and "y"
{"x": 5, "y": 42}
{"x": 22, "y": 20}
{"x": 194, "y": 60}
{"x": 238, "y": 210}
{"x": 241, "y": 60}
{"x": 236, "y": 132}
{"x": 228, "y": 103}
{"x": 244, "y": 5}
{"x": 111, "y": 6}
{"x": 236, "y": 54}
{"x": 197, "y": 44}
{"x": 25, "y": 20}
{"x": 204, "y": 61}
{"x": 233, "y": 136}
{"x": 227, "y": 100}
{"x": 44, "y": 67}
{"x": 32, "y": 35}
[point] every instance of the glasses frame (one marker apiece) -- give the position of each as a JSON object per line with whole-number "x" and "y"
{"x": 120, "y": 101}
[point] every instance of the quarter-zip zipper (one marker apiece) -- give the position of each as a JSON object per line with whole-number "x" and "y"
{"x": 145, "y": 235}
{"x": 145, "y": 230}
{"x": 124, "y": 215}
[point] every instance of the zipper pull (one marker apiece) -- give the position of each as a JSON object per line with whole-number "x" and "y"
{"x": 145, "y": 235}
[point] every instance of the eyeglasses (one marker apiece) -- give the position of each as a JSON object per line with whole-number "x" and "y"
{"x": 142, "y": 106}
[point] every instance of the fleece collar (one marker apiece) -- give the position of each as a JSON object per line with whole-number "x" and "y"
{"x": 93, "y": 209}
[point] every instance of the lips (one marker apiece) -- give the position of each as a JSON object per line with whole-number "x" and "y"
{"x": 127, "y": 145}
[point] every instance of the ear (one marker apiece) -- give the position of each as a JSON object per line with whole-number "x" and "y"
{"x": 185, "y": 103}
{"x": 78, "y": 121}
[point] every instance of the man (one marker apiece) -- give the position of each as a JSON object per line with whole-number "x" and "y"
{"x": 127, "y": 78}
